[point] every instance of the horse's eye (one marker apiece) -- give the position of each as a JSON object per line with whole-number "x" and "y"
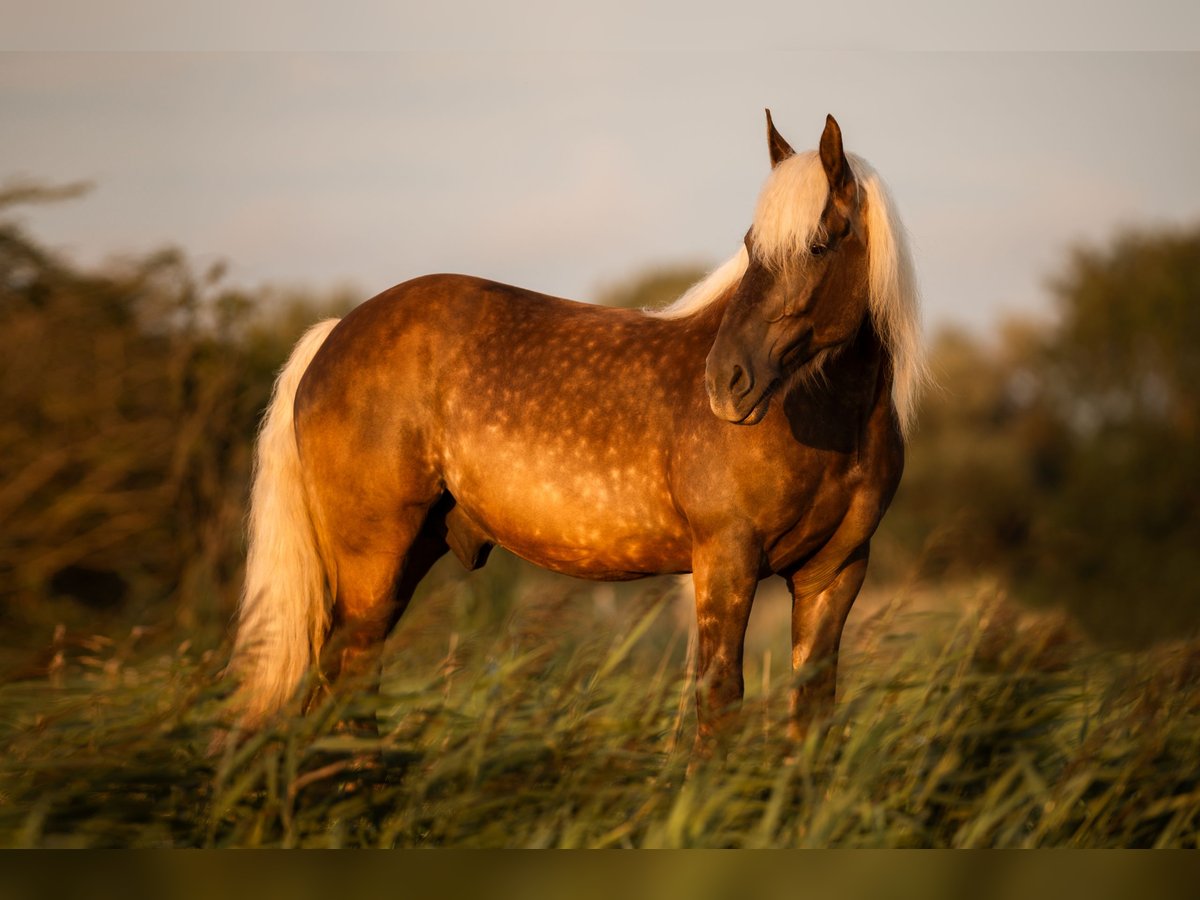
{"x": 818, "y": 249}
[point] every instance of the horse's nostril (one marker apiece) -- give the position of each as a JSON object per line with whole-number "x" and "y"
{"x": 738, "y": 380}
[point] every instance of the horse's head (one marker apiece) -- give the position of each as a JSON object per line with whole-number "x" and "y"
{"x": 805, "y": 291}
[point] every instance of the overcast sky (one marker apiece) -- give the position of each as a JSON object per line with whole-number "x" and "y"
{"x": 566, "y": 171}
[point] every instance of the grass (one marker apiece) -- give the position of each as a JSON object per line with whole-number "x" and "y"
{"x": 562, "y": 725}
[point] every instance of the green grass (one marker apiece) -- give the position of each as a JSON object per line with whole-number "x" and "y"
{"x": 565, "y": 726}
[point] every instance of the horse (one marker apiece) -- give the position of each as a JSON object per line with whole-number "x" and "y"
{"x": 754, "y": 427}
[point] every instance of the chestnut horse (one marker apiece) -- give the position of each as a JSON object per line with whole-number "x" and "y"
{"x": 754, "y": 427}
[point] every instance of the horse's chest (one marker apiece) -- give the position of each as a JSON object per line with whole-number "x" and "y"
{"x": 805, "y": 513}
{"x": 825, "y": 506}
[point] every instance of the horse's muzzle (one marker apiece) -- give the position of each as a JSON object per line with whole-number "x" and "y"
{"x": 735, "y": 393}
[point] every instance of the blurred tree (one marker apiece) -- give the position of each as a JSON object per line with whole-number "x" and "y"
{"x": 1127, "y": 353}
{"x": 131, "y": 394}
{"x": 965, "y": 502}
{"x": 1116, "y": 411}
{"x": 1066, "y": 459}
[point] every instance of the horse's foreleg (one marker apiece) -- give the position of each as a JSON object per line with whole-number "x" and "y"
{"x": 817, "y": 622}
{"x": 725, "y": 572}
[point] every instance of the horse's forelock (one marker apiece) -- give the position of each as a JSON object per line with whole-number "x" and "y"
{"x": 788, "y": 216}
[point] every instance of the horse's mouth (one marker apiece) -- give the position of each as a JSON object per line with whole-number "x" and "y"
{"x": 755, "y": 414}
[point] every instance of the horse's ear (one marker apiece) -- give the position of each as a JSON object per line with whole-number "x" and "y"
{"x": 833, "y": 157}
{"x": 780, "y": 149}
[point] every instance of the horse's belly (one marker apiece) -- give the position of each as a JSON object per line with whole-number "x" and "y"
{"x": 610, "y": 523}
{"x": 588, "y": 547}
{"x": 621, "y": 562}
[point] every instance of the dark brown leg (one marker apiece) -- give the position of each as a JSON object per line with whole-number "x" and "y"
{"x": 817, "y": 622}
{"x": 725, "y": 576}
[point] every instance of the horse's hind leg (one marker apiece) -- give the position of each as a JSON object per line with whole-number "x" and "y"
{"x": 374, "y": 584}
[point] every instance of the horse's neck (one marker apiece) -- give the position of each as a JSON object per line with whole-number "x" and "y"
{"x": 864, "y": 368}
{"x": 695, "y": 334}
{"x": 850, "y": 399}
{"x": 707, "y": 320}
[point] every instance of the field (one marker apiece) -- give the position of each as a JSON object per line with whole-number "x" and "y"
{"x": 562, "y": 717}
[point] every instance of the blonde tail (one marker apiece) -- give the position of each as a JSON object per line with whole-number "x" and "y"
{"x": 282, "y": 617}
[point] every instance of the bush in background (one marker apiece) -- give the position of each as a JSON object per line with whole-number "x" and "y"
{"x": 131, "y": 395}
{"x": 1063, "y": 458}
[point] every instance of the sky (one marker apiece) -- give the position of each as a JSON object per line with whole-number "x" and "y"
{"x": 569, "y": 169}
